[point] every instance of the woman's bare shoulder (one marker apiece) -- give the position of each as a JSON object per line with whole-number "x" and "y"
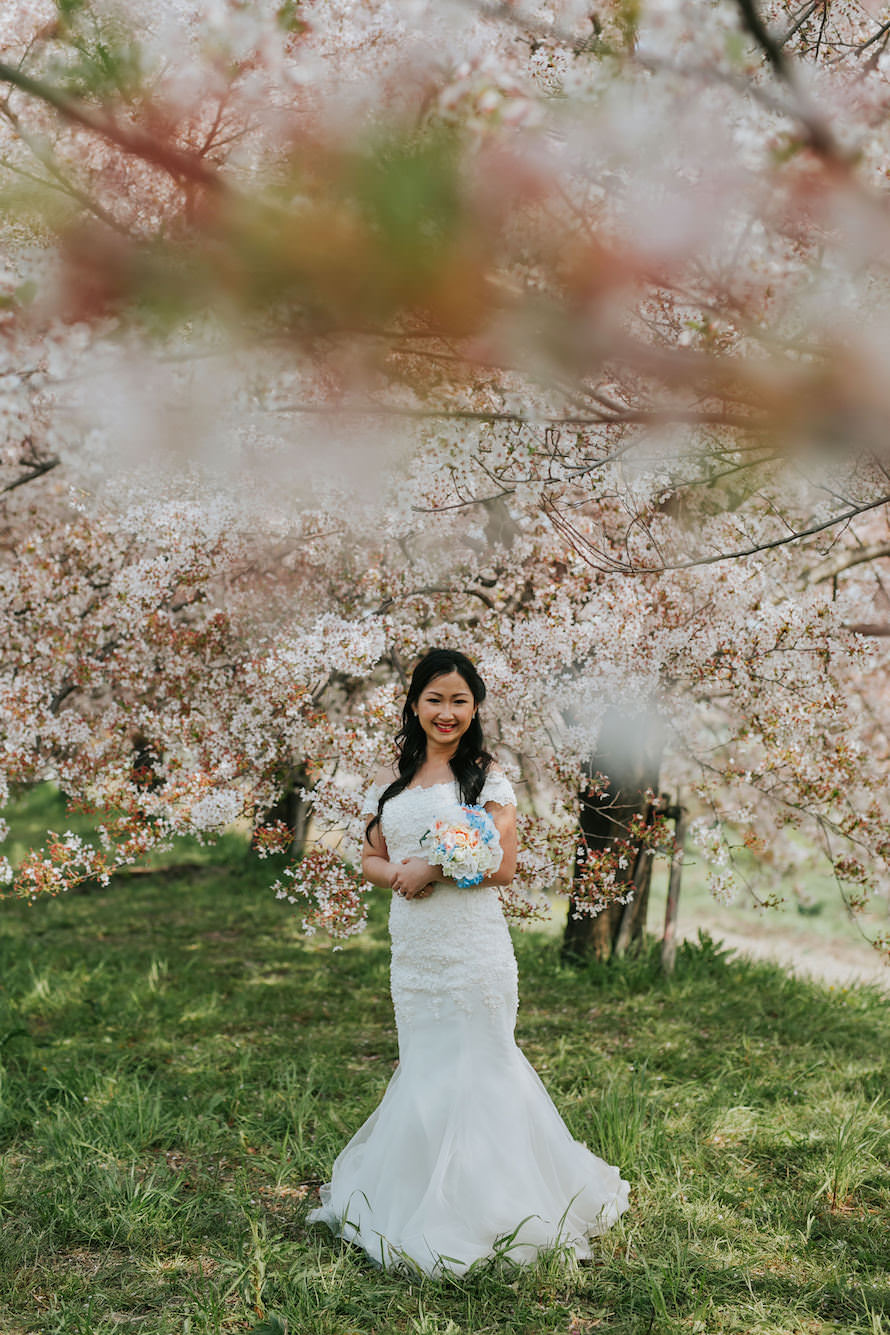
{"x": 385, "y": 776}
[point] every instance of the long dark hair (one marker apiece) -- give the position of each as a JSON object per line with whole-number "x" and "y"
{"x": 470, "y": 762}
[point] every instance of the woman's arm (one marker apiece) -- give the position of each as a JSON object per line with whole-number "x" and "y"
{"x": 504, "y": 818}
{"x": 376, "y": 866}
{"x": 410, "y": 878}
{"x": 414, "y": 876}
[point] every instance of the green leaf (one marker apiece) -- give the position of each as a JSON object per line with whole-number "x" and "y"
{"x": 68, "y": 9}
{"x": 409, "y": 190}
{"x": 26, "y": 292}
{"x": 288, "y": 17}
{"x": 271, "y": 1326}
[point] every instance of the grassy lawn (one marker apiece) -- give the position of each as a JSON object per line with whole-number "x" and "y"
{"x": 178, "y": 1070}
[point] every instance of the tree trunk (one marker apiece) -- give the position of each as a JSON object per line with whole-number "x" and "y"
{"x": 146, "y": 763}
{"x": 633, "y": 917}
{"x": 292, "y": 809}
{"x": 629, "y": 754}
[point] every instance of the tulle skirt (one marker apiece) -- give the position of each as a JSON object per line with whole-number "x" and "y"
{"x": 466, "y": 1156}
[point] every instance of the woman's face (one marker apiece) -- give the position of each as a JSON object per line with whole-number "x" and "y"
{"x": 445, "y": 709}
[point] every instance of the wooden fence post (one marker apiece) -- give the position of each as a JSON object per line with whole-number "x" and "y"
{"x": 669, "y": 939}
{"x": 634, "y": 908}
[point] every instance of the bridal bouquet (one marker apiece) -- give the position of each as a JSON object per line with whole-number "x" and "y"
{"x": 466, "y": 849}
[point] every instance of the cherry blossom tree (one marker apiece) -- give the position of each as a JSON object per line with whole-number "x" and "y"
{"x": 334, "y": 331}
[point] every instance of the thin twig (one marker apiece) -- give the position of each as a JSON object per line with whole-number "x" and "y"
{"x": 806, "y": 13}
{"x": 37, "y": 470}
{"x": 631, "y": 568}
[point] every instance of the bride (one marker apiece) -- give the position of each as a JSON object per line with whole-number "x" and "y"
{"x": 466, "y": 1156}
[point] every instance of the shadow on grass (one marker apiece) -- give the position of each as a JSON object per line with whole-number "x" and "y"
{"x": 756, "y": 997}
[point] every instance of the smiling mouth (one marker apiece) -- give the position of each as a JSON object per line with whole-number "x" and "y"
{"x": 445, "y": 727}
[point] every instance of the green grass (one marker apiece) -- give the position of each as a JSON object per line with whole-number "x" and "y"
{"x": 178, "y": 1070}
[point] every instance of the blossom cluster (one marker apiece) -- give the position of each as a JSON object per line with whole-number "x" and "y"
{"x": 605, "y": 876}
{"x": 331, "y": 895}
{"x": 620, "y": 280}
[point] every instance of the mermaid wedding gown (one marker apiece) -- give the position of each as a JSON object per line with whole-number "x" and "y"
{"x": 466, "y": 1155}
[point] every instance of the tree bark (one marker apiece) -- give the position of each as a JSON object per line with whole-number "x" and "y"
{"x": 292, "y": 809}
{"x": 147, "y": 761}
{"x": 629, "y": 754}
{"x": 633, "y": 917}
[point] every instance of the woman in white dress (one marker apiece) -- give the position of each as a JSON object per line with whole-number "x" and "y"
{"x": 466, "y": 1156}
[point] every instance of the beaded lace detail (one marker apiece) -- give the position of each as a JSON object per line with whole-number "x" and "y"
{"x": 451, "y": 948}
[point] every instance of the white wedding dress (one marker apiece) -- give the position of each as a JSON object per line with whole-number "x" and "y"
{"x": 466, "y": 1155}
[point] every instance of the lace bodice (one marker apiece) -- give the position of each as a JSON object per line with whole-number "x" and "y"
{"x": 407, "y": 816}
{"x": 452, "y": 947}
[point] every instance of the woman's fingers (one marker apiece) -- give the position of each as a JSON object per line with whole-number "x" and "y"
{"x": 421, "y": 892}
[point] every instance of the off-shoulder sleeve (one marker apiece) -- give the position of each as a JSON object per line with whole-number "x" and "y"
{"x": 371, "y": 799}
{"x": 497, "y": 788}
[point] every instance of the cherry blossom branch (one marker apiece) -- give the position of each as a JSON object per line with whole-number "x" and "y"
{"x": 633, "y": 568}
{"x": 618, "y": 417}
{"x": 805, "y": 14}
{"x": 882, "y": 31}
{"x": 36, "y": 471}
{"x": 59, "y": 180}
{"x": 771, "y": 47}
{"x": 824, "y": 826}
{"x": 138, "y": 143}
{"x": 844, "y": 561}
{"x": 820, "y": 137}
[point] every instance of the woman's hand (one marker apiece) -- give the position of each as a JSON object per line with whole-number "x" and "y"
{"x": 412, "y": 878}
